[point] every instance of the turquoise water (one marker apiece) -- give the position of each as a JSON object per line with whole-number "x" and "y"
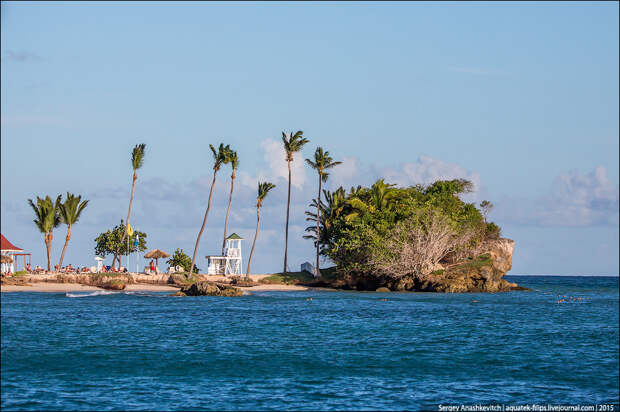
{"x": 342, "y": 350}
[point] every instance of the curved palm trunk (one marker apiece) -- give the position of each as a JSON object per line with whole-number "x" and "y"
{"x": 204, "y": 222}
{"x": 48, "y": 247}
{"x": 64, "y": 248}
{"x": 133, "y": 189}
{"x": 232, "y": 185}
{"x": 318, "y": 232}
{"x": 288, "y": 205}
{"x": 247, "y": 273}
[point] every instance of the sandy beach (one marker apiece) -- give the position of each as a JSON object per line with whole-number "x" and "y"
{"x": 75, "y": 287}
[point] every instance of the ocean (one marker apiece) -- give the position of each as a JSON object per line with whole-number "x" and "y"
{"x": 340, "y": 350}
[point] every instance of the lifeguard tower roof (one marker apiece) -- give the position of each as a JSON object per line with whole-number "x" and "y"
{"x": 234, "y": 236}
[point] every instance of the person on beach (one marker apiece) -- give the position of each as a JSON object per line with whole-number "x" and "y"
{"x": 152, "y": 265}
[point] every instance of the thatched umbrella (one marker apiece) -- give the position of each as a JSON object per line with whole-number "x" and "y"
{"x": 6, "y": 259}
{"x": 156, "y": 254}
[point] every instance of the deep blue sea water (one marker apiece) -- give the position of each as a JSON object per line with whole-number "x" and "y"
{"x": 342, "y": 350}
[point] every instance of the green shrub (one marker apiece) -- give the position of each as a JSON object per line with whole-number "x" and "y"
{"x": 492, "y": 231}
{"x": 179, "y": 258}
{"x": 290, "y": 278}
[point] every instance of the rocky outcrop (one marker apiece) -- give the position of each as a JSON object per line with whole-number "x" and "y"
{"x": 480, "y": 273}
{"x": 111, "y": 281}
{"x": 206, "y": 288}
{"x": 244, "y": 281}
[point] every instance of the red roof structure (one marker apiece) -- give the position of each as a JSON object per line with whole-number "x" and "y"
{"x": 7, "y": 246}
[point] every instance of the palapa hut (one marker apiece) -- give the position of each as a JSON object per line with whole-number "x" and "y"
{"x": 156, "y": 254}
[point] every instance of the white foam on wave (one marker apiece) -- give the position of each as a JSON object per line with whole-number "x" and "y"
{"x": 86, "y": 295}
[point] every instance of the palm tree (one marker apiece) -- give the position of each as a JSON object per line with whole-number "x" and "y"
{"x": 334, "y": 207}
{"x": 263, "y": 189}
{"x": 220, "y": 157}
{"x": 292, "y": 143}
{"x": 47, "y": 218}
{"x": 70, "y": 212}
{"x": 322, "y": 162}
{"x": 234, "y": 162}
{"x": 486, "y": 207}
{"x": 378, "y": 198}
{"x": 137, "y": 159}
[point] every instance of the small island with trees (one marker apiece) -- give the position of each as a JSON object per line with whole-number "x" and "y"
{"x": 418, "y": 238}
{"x": 378, "y": 238}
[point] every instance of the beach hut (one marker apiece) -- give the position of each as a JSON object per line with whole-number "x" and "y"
{"x": 156, "y": 254}
{"x": 231, "y": 262}
{"x": 10, "y": 250}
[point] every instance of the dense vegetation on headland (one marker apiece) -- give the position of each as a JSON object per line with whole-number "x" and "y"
{"x": 386, "y": 231}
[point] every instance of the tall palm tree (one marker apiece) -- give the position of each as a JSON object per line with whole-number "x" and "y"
{"x": 233, "y": 159}
{"x": 220, "y": 156}
{"x": 47, "y": 218}
{"x": 322, "y": 162}
{"x": 292, "y": 143}
{"x": 70, "y": 212}
{"x": 137, "y": 159}
{"x": 263, "y": 189}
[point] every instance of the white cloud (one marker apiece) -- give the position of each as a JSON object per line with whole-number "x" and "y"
{"x": 574, "y": 199}
{"x": 21, "y": 56}
{"x": 345, "y": 174}
{"x": 275, "y": 157}
{"x": 428, "y": 170}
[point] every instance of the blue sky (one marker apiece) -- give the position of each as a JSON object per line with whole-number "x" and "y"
{"x": 521, "y": 98}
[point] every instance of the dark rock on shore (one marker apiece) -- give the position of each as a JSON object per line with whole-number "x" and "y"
{"x": 206, "y": 288}
{"x": 244, "y": 281}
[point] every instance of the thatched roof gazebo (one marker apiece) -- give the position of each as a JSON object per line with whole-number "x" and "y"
{"x": 156, "y": 254}
{"x": 9, "y": 250}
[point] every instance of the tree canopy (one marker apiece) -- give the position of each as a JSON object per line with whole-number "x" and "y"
{"x": 389, "y": 230}
{"x": 111, "y": 242}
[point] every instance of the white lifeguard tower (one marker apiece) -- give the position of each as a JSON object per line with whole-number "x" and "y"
{"x": 231, "y": 262}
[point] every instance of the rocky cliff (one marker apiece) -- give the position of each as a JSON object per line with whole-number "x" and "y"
{"x": 480, "y": 273}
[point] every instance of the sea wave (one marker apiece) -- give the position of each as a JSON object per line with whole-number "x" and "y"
{"x": 86, "y": 295}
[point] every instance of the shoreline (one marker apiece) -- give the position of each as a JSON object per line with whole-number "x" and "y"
{"x": 52, "y": 287}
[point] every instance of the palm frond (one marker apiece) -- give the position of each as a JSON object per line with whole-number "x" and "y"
{"x": 293, "y": 142}
{"x": 234, "y": 159}
{"x": 137, "y": 156}
{"x": 71, "y": 209}
{"x": 263, "y": 190}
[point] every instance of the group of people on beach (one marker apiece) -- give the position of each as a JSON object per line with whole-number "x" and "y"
{"x": 70, "y": 269}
